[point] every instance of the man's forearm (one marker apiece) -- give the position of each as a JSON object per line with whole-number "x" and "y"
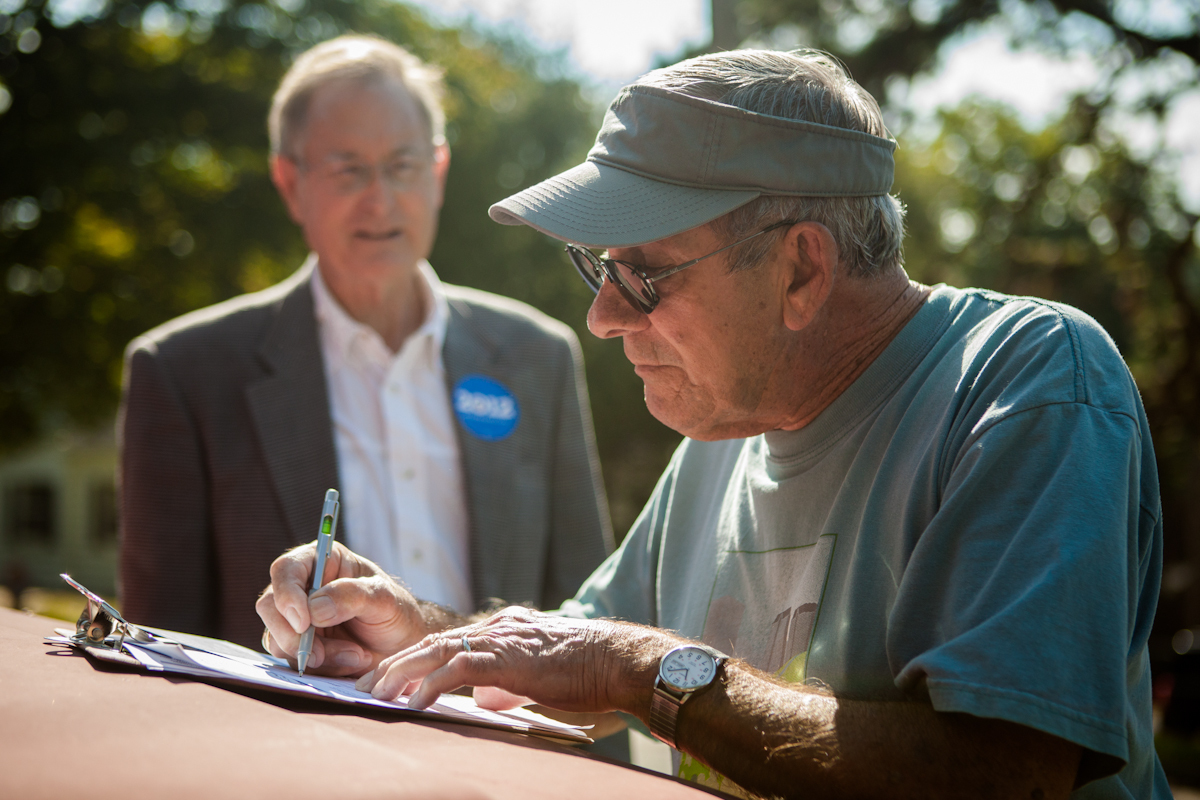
{"x": 781, "y": 739}
{"x": 770, "y": 737}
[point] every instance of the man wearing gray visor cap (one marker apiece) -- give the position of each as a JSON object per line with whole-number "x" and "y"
{"x": 912, "y": 544}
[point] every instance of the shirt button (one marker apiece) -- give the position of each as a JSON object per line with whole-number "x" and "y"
{"x": 409, "y": 474}
{"x": 417, "y": 555}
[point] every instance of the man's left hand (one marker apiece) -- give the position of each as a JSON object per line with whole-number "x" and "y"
{"x": 519, "y": 655}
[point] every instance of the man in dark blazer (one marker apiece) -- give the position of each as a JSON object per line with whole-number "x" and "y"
{"x": 228, "y": 425}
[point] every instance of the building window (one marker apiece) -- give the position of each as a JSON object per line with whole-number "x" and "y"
{"x": 102, "y": 512}
{"x": 29, "y": 513}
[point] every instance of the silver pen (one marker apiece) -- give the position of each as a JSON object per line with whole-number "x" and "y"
{"x": 325, "y": 534}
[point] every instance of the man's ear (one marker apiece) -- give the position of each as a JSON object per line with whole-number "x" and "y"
{"x": 441, "y": 168}
{"x": 284, "y": 174}
{"x": 810, "y": 264}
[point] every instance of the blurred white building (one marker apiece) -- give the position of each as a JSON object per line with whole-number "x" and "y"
{"x": 58, "y": 512}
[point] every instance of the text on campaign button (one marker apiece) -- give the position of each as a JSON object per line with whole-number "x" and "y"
{"x": 486, "y": 407}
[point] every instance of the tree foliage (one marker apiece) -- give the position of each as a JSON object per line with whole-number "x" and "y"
{"x": 134, "y": 185}
{"x": 883, "y": 39}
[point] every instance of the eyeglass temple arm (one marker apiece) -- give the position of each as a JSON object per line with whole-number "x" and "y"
{"x": 685, "y": 265}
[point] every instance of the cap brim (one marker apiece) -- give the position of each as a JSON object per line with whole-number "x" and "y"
{"x": 599, "y": 206}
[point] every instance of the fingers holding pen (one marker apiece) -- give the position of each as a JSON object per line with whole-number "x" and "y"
{"x": 286, "y": 610}
{"x": 360, "y": 613}
{"x": 335, "y": 649}
{"x": 271, "y": 645}
{"x": 291, "y": 575}
{"x": 332, "y": 656}
{"x": 278, "y": 638}
{"x": 281, "y": 638}
{"x": 371, "y": 601}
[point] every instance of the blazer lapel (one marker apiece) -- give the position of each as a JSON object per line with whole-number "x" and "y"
{"x": 290, "y": 408}
{"x": 468, "y": 350}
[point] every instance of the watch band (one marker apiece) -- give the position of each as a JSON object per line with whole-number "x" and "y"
{"x": 664, "y": 713}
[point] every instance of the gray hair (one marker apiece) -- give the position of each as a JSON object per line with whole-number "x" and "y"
{"x": 806, "y": 85}
{"x": 355, "y": 58}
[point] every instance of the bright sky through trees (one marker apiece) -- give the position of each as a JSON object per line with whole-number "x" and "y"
{"x": 612, "y": 43}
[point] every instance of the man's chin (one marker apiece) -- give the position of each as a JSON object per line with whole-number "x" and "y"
{"x": 697, "y": 420}
{"x": 672, "y": 411}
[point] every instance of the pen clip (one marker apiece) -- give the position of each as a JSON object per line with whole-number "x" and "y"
{"x": 337, "y": 507}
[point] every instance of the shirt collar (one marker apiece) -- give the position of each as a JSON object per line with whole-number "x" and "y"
{"x": 340, "y": 329}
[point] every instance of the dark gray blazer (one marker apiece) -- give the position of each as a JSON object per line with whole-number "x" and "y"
{"x": 227, "y": 450}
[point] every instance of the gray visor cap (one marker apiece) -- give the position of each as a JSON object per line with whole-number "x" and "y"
{"x": 665, "y": 162}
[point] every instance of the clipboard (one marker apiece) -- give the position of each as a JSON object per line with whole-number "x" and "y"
{"x": 102, "y": 633}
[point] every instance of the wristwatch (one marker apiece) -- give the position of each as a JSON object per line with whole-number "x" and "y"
{"x": 682, "y": 673}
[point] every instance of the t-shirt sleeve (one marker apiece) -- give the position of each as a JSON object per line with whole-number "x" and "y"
{"x": 625, "y": 586}
{"x": 1022, "y": 599}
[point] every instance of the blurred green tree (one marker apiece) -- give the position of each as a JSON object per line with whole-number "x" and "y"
{"x": 134, "y": 188}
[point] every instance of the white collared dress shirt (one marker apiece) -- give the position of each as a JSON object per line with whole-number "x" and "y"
{"x": 398, "y": 456}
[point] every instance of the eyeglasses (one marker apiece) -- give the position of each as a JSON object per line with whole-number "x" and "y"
{"x": 631, "y": 280}
{"x": 351, "y": 177}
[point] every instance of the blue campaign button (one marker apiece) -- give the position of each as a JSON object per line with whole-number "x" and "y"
{"x": 486, "y": 407}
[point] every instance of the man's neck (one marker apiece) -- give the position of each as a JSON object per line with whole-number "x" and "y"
{"x": 855, "y": 327}
{"x": 393, "y": 308}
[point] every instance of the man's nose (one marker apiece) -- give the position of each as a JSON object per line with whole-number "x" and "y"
{"x": 378, "y": 195}
{"x": 612, "y": 315}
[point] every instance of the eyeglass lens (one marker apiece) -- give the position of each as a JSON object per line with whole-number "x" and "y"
{"x": 631, "y": 285}
{"x": 589, "y": 270}
{"x": 353, "y": 177}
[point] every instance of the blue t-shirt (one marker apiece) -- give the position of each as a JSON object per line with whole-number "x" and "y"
{"x": 975, "y": 523}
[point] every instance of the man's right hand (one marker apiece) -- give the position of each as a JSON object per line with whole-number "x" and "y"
{"x": 362, "y": 615}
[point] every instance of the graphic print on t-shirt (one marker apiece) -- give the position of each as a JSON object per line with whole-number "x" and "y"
{"x": 764, "y": 610}
{"x": 766, "y": 603}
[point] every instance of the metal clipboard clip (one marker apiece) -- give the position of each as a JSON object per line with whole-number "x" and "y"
{"x": 100, "y": 626}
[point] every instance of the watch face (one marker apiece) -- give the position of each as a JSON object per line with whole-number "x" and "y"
{"x": 687, "y": 668}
